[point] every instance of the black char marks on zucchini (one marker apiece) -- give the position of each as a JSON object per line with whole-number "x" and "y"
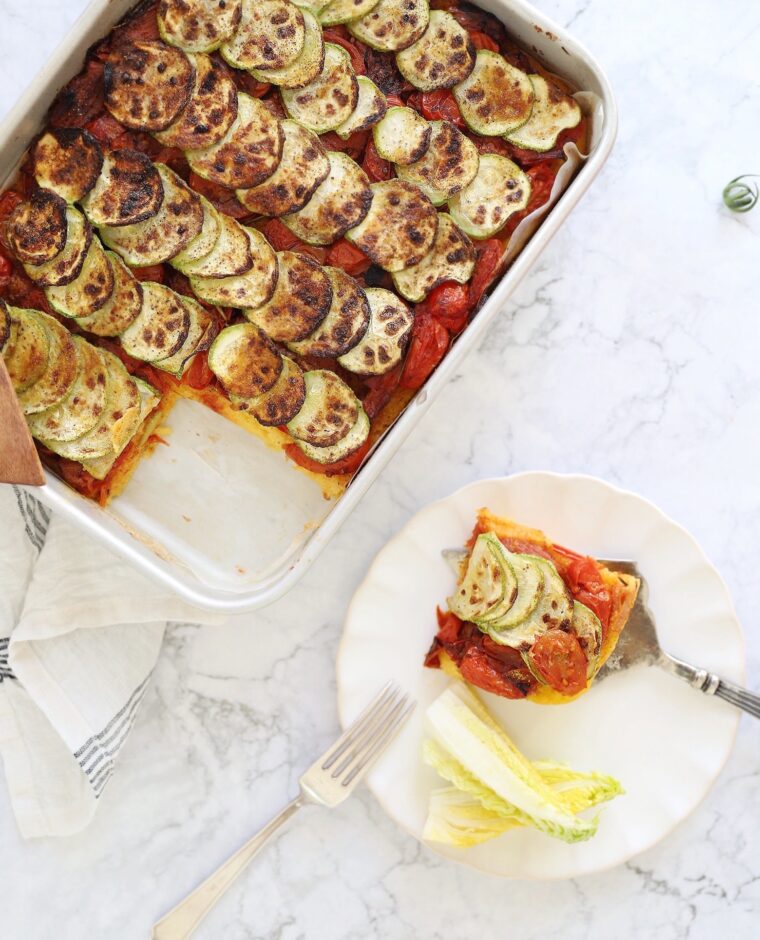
{"x": 245, "y": 360}
{"x": 211, "y": 111}
{"x": 198, "y": 25}
{"x": 345, "y": 324}
{"x": 5, "y": 324}
{"x": 300, "y": 302}
{"x": 148, "y": 84}
{"x": 129, "y": 190}
{"x": 382, "y": 69}
{"x": 37, "y": 228}
{"x": 68, "y": 161}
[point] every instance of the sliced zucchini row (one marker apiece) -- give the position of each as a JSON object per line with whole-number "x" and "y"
{"x": 385, "y": 341}
{"x": 170, "y": 231}
{"x": 303, "y": 166}
{"x": 403, "y": 136}
{"x": 37, "y": 228}
{"x": 498, "y": 191}
{"x": 199, "y": 336}
{"x": 488, "y": 582}
{"x": 329, "y": 100}
{"x": 90, "y": 291}
{"x": 148, "y": 84}
{"x": 515, "y": 609}
{"x": 370, "y": 108}
{"x": 340, "y": 202}
{"x": 60, "y": 369}
{"x": 300, "y": 302}
{"x": 284, "y": 399}
{"x": 210, "y": 112}
{"x": 329, "y": 411}
{"x": 450, "y": 164}
{"x": 81, "y": 409}
{"x": 553, "y": 112}
{"x": 343, "y": 11}
{"x": 198, "y": 25}
{"x": 251, "y": 289}
{"x": 161, "y": 328}
{"x": 203, "y": 243}
{"x": 441, "y": 58}
{"x": 26, "y": 349}
{"x": 452, "y": 258}
{"x": 248, "y": 153}
{"x": 245, "y": 361}
{"x": 345, "y": 447}
{"x": 307, "y": 66}
{"x": 123, "y": 306}
{"x": 129, "y": 190}
{"x": 552, "y": 611}
{"x": 270, "y": 35}
{"x": 588, "y": 628}
{"x": 67, "y": 161}
{"x": 345, "y": 324}
{"x": 229, "y": 257}
{"x": 392, "y": 25}
{"x": 66, "y": 265}
{"x": 496, "y": 98}
{"x": 399, "y": 229}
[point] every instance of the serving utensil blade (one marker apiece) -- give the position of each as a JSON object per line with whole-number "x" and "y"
{"x": 19, "y": 460}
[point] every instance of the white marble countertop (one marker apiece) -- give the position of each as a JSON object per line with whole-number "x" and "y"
{"x": 630, "y": 352}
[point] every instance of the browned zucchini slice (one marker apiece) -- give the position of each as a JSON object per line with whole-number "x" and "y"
{"x": 344, "y": 325}
{"x": 88, "y": 292}
{"x": 384, "y": 343}
{"x": 282, "y": 402}
{"x": 303, "y": 166}
{"x": 60, "y": 371}
{"x": 330, "y": 99}
{"x": 161, "y": 328}
{"x": 248, "y": 153}
{"x": 345, "y": 447}
{"x": 123, "y": 307}
{"x": 392, "y": 25}
{"x": 329, "y": 411}
{"x": 211, "y": 111}
{"x": 496, "y": 98}
{"x": 5, "y": 324}
{"x": 26, "y": 350}
{"x": 37, "y": 228}
{"x": 67, "y": 161}
{"x": 403, "y": 136}
{"x": 399, "y": 229}
{"x": 309, "y": 62}
{"x": 229, "y": 256}
{"x": 204, "y": 242}
{"x": 245, "y": 361}
{"x": 553, "y": 112}
{"x": 450, "y": 164}
{"x": 499, "y": 190}
{"x": 199, "y": 336}
{"x": 251, "y": 289}
{"x": 66, "y": 265}
{"x": 148, "y": 84}
{"x": 370, "y": 107}
{"x": 442, "y": 57}
{"x": 270, "y": 36}
{"x": 198, "y": 25}
{"x": 300, "y": 301}
{"x": 128, "y": 191}
{"x": 452, "y": 258}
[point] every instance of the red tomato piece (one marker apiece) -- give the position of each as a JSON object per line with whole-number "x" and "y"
{"x": 438, "y": 105}
{"x": 374, "y": 166}
{"x": 449, "y": 304}
{"x": 153, "y": 273}
{"x": 430, "y": 340}
{"x": 394, "y": 101}
{"x": 281, "y": 238}
{"x": 6, "y": 267}
{"x": 348, "y": 257}
{"x": 449, "y": 626}
{"x": 8, "y": 202}
{"x": 82, "y": 99}
{"x": 341, "y": 37}
{"x": 106, "y": 130}
{"x": 560, "y": 660}
{"x": 348, "y": 465}
{"x": 489, "y": 254}
{"x": 198, "y": 374}
{"x": 353, "y": 146}
{"x": 220, "y": 197}
{"x": 380, "y": 391}
{"x": 483, "y": 41}
{"x": 478, "y": 669}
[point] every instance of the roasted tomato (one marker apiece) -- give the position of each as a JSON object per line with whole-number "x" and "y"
{"x": 374, "y": 166}
{"x": 489, "y": 255}
{"x": 198, "y": 374}
{"x": 348, "y": 257}
{"x": 479, "y": 669}
{"x": 82, "y": 99}
{"x": 353, "y": 145}
{"x": 220, "y": 197}
{"x": 348, "y": 465}
{"x": 584, "y": 579}
{"x": 8, "y": 202}
{"x": 108, "y": 132}
{"x": 380, "y": 390}
{"x": 438, "y": 105}
{"x": 430, "y": 340}
{"x": 153, "y": 273}
{"x": 341, "y": 37}
{"x": 281, "y": 238}
{"x": 483, "y": 41}
{"x": 559, "y": 659}
{"x": 449, "y": 304}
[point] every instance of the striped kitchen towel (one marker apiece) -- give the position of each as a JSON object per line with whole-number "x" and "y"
{"x": 80, "y": 632}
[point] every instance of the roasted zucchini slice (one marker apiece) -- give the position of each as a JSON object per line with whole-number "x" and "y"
{"x": 81, "y": 409}
{"x": 303, "y": 166}
{"x": 245, "y": 361}
{"x": 330, "y": 99}
{"x": 345, "y": 323}
{"x": 399, "y": 229}
{"x": 210, "y": 112}
{"x": 496, "y": 98}
{"x": 67, "y": 161}
{"x": 148, "y": 84}
{"x": 26, "y": 349}
{"x": 270, "y": 35}
{"x": 300, "y": 302}
{"x": 370, "y": 108}
{"x": 452, "y": 258}
{"x": 123, "y": 306}
{"x": 340, "y": 202}
{"x": 392, "y": 25}
{"x": 204, "y": 242}
{"x": 442, "y": 57}
{"x": 307, "y": 66}
{"x": 229, "y": 257}
{"x": 200, "y": 334}
{"x": 161, "y": 328}
{"x": 329, "y": 411}
{"x": 343, "y": 11}
{"x": 170, "y": 231}
{"x": 383, "y": 345}
{"x": 498, "y": 191}
{"x": 60, "y": 370}
{"x": 248, "y": 153}
{"x": 90, "y": 291}
{"x": 128, "y": 191}
{"x": 198, "y": 25}
{"x": 251, "y": 289}
{"x": 66, "y": 265}
{"x": 37, "y": 228}
{"x": 553, "y": 112}
{"x": 5, "y": 324}
{"x": 282, "y": 402}
{"x": 450, "y": 164}
{"x": 345, "y": 447}
{"x": 403, "y": 136}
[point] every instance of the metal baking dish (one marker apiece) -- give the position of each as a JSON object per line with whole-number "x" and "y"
{"x": 216, "y": 515}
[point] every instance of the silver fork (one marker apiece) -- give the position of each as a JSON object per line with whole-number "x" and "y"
{"x": 638, "y": 643}
{"x": 332, "y": 778}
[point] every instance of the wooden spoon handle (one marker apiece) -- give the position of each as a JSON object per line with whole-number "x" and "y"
{"x": 19, "y": 461}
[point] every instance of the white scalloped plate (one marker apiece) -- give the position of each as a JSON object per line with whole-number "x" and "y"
{"x": 664, "y": 741}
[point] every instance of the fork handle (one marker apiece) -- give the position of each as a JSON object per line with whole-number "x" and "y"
{"x": 711, "y": 684}
{"x": 182, "y": 920}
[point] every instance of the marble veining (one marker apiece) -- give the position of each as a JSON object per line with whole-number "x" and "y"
{"x": 629, "y": 352}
